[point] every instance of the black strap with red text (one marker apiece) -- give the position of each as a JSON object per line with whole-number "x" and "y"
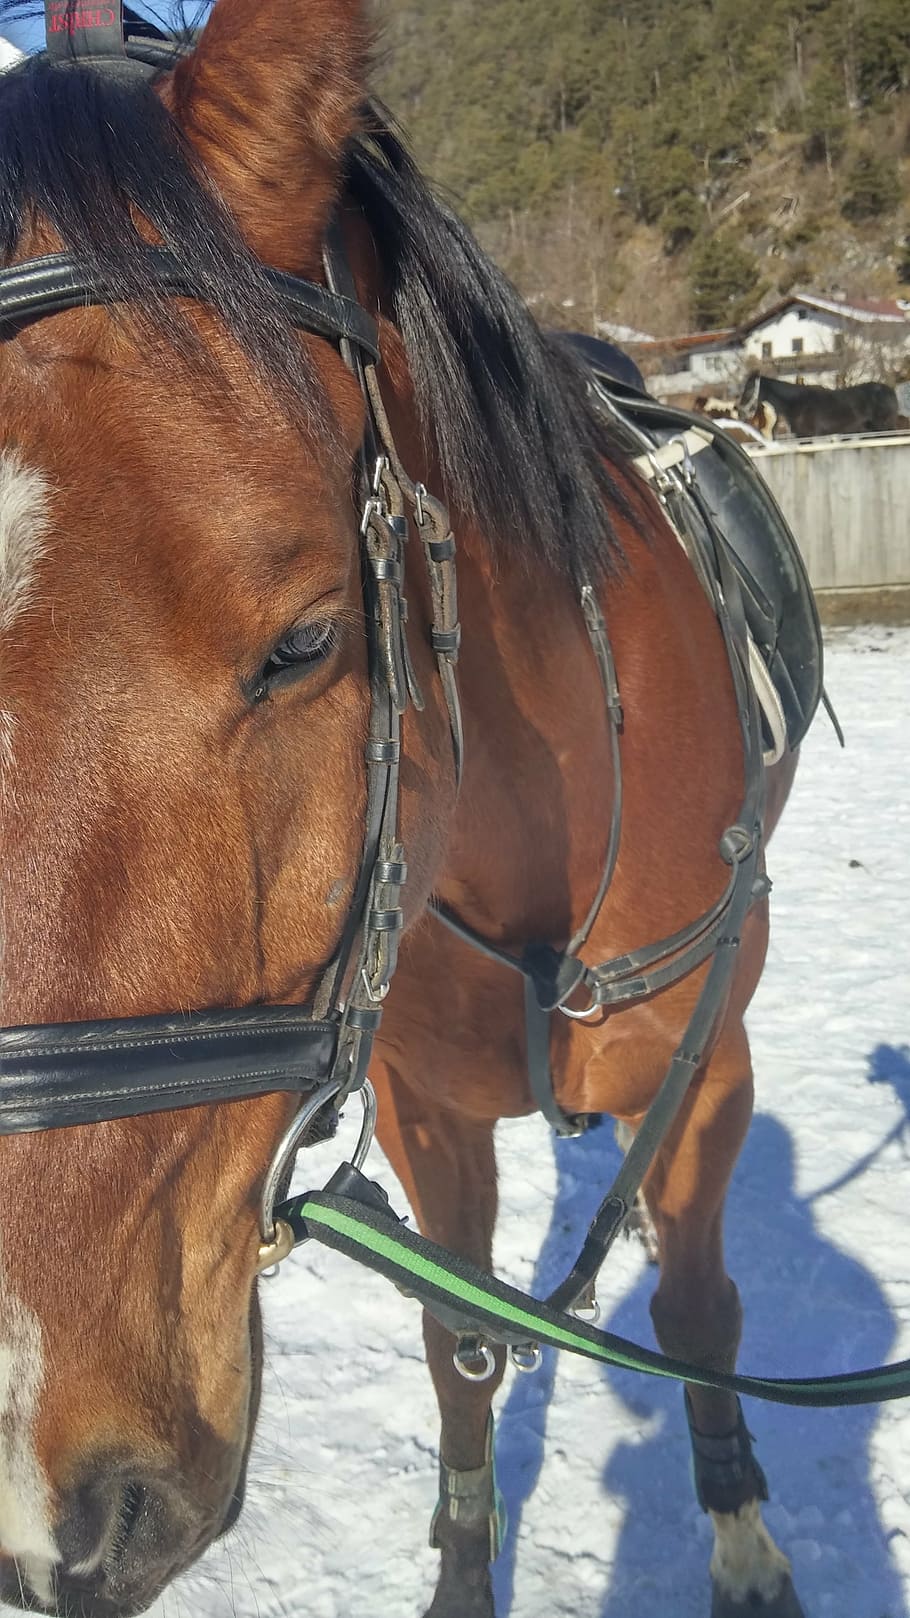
{"x": 80, "y": 29}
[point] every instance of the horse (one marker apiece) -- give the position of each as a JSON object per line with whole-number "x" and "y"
{"x": 214, "y": 708}
{"x": 762, "y": 416}
{"x": 810, "y": 412}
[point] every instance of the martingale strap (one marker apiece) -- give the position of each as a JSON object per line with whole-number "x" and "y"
{"x": 355, "y": 1219}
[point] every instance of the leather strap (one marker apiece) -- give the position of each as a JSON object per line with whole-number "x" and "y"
{"x": 55, "y": 1074}
{"x": 59, "y": 281}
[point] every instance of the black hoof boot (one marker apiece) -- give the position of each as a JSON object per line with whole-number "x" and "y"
{"x": 781, "y": 1603}
{"x": 468, "y": 1527}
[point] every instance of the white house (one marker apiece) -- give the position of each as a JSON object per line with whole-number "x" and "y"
{"x": 678, "y": 368}
{"x": 827, "y": 340}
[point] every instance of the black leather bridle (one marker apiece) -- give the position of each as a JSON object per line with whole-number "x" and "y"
{"x": 52, "y": 1075}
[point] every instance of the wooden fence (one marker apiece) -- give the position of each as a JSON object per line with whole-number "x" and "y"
{"x": 847, "y": 501}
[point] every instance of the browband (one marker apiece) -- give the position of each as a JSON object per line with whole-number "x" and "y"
{"x": 53, "y": 1074}
{"x": 50, "y": 285}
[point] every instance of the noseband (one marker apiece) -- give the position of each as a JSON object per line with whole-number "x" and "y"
{"x": 54, "y": 1075}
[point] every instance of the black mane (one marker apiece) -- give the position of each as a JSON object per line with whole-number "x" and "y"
{"x": 89, "y": 152}
{"x": 520, "y": 449}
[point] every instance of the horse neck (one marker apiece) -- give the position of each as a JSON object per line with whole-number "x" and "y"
{"x": 775, "y": 391}
{"x": 537, "y": 791}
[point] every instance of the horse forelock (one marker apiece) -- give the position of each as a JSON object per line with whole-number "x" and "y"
{"x": 102, "y": 168}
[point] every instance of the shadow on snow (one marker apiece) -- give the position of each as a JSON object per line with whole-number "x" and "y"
{"x": 809, "y": 1310}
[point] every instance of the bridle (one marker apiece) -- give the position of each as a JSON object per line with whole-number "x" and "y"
{"x": 55, "y": 1075}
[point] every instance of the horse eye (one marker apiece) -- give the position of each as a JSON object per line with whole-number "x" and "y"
{"x": 306, "y": 645}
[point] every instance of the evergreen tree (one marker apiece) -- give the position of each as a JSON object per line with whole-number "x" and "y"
{"x": 725, "y": 281}
{"x": 550, "y": 122}
{"x": 872, "y": 187}
{"x": 825, "y": 118}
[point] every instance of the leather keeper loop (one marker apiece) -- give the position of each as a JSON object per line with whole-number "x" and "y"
{"x": 446, "y": 641}
{"x": 383, "y": 752}
{"x": 384, "y": 568}
{"x": 386, "y": 921}
{"x": 365, "y": 1018}
{"x": 394, "y": 871}
{"x": 442, "y": 550}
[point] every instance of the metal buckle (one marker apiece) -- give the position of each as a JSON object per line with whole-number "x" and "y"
{"x": 274, "y": 1246}
{"x": 688, "y": 465}
{"x": 470, "y": 1350}
{"x": 377, "y": 995}
{"x": 581, "y": 1016}
{"x": 526, "y": 1357}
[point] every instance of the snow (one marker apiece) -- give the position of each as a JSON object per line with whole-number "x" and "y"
{"x": 594, "y": 1464}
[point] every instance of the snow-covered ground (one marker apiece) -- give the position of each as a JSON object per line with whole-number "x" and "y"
{"x": 594, "y": 1464}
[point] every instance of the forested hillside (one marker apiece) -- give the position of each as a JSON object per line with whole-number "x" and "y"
{"x": 665, "y": 162}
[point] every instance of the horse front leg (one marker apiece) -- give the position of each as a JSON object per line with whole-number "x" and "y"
{"x": 447, "y": 1166}
{"x": 697, "y": 1317}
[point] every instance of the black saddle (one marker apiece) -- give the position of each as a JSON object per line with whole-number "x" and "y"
{"x": 604, "y": 358}
{"x": 724, "y": 500}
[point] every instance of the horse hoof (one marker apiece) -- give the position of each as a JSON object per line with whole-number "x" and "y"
{"x": 464, "y": 1589}
{"x": 461, "y": 1604}
{"x": 784, "y": 1603}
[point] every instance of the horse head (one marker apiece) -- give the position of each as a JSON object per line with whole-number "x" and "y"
{"x": 750, "y": 398}
{"x": 185, "y": 699}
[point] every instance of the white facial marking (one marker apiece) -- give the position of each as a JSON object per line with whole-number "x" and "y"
{"x": 746, "y": 1562}
{"x": 24, "y": 505}
{"x": 25, "y": 1495}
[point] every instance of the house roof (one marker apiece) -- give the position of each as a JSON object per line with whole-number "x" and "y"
{"x": 686, "y": 343}
{"x": 857, "y": 311}
{"x": 617, "y": 333}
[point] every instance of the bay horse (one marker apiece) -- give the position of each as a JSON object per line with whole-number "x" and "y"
{"x": 810, "y": 412}
{"x": 186, "y": 685}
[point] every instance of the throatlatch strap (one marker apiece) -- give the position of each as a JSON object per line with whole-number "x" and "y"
{"x": 466, "y": 1298}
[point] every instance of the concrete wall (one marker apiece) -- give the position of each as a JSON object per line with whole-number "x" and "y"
{"x": 847, "y": 501}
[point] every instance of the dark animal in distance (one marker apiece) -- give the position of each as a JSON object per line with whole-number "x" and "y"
{"x": 810, "y": 412}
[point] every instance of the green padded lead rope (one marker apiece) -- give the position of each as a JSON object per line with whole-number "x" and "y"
{"x": 360, "y": 1223}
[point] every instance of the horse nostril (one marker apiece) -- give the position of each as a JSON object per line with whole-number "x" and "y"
{"x": 87, "y": 1523}
{"x": 132, "y": 1506}
{"x": 122, "y": 1534}
{"x": 99, "y": 1523}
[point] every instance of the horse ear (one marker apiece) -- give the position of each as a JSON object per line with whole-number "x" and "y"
{"x": 268, "y": 99}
